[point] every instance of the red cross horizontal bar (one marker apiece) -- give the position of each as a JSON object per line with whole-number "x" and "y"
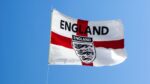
{"x": 67, "y": 42}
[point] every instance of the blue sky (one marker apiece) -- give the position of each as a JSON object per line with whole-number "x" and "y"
{"x": 25, "y": 29}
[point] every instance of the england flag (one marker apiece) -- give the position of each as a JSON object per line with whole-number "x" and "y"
{"x": 83, "y": 42}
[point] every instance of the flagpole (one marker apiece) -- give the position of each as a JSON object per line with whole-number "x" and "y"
{"x": 51, "y": 12}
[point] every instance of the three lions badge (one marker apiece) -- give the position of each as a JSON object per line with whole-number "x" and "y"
{"x": 84, "y": 48}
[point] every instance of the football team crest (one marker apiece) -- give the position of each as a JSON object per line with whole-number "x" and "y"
{"x": 84, "y": 48}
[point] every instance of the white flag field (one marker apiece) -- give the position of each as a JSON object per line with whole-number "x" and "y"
{"x": 85, "y": 43}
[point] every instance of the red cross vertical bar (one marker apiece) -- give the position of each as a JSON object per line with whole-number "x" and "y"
{"x": 82, "y": 27}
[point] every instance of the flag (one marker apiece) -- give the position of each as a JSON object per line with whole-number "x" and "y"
{"x": 83, "y": 42}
